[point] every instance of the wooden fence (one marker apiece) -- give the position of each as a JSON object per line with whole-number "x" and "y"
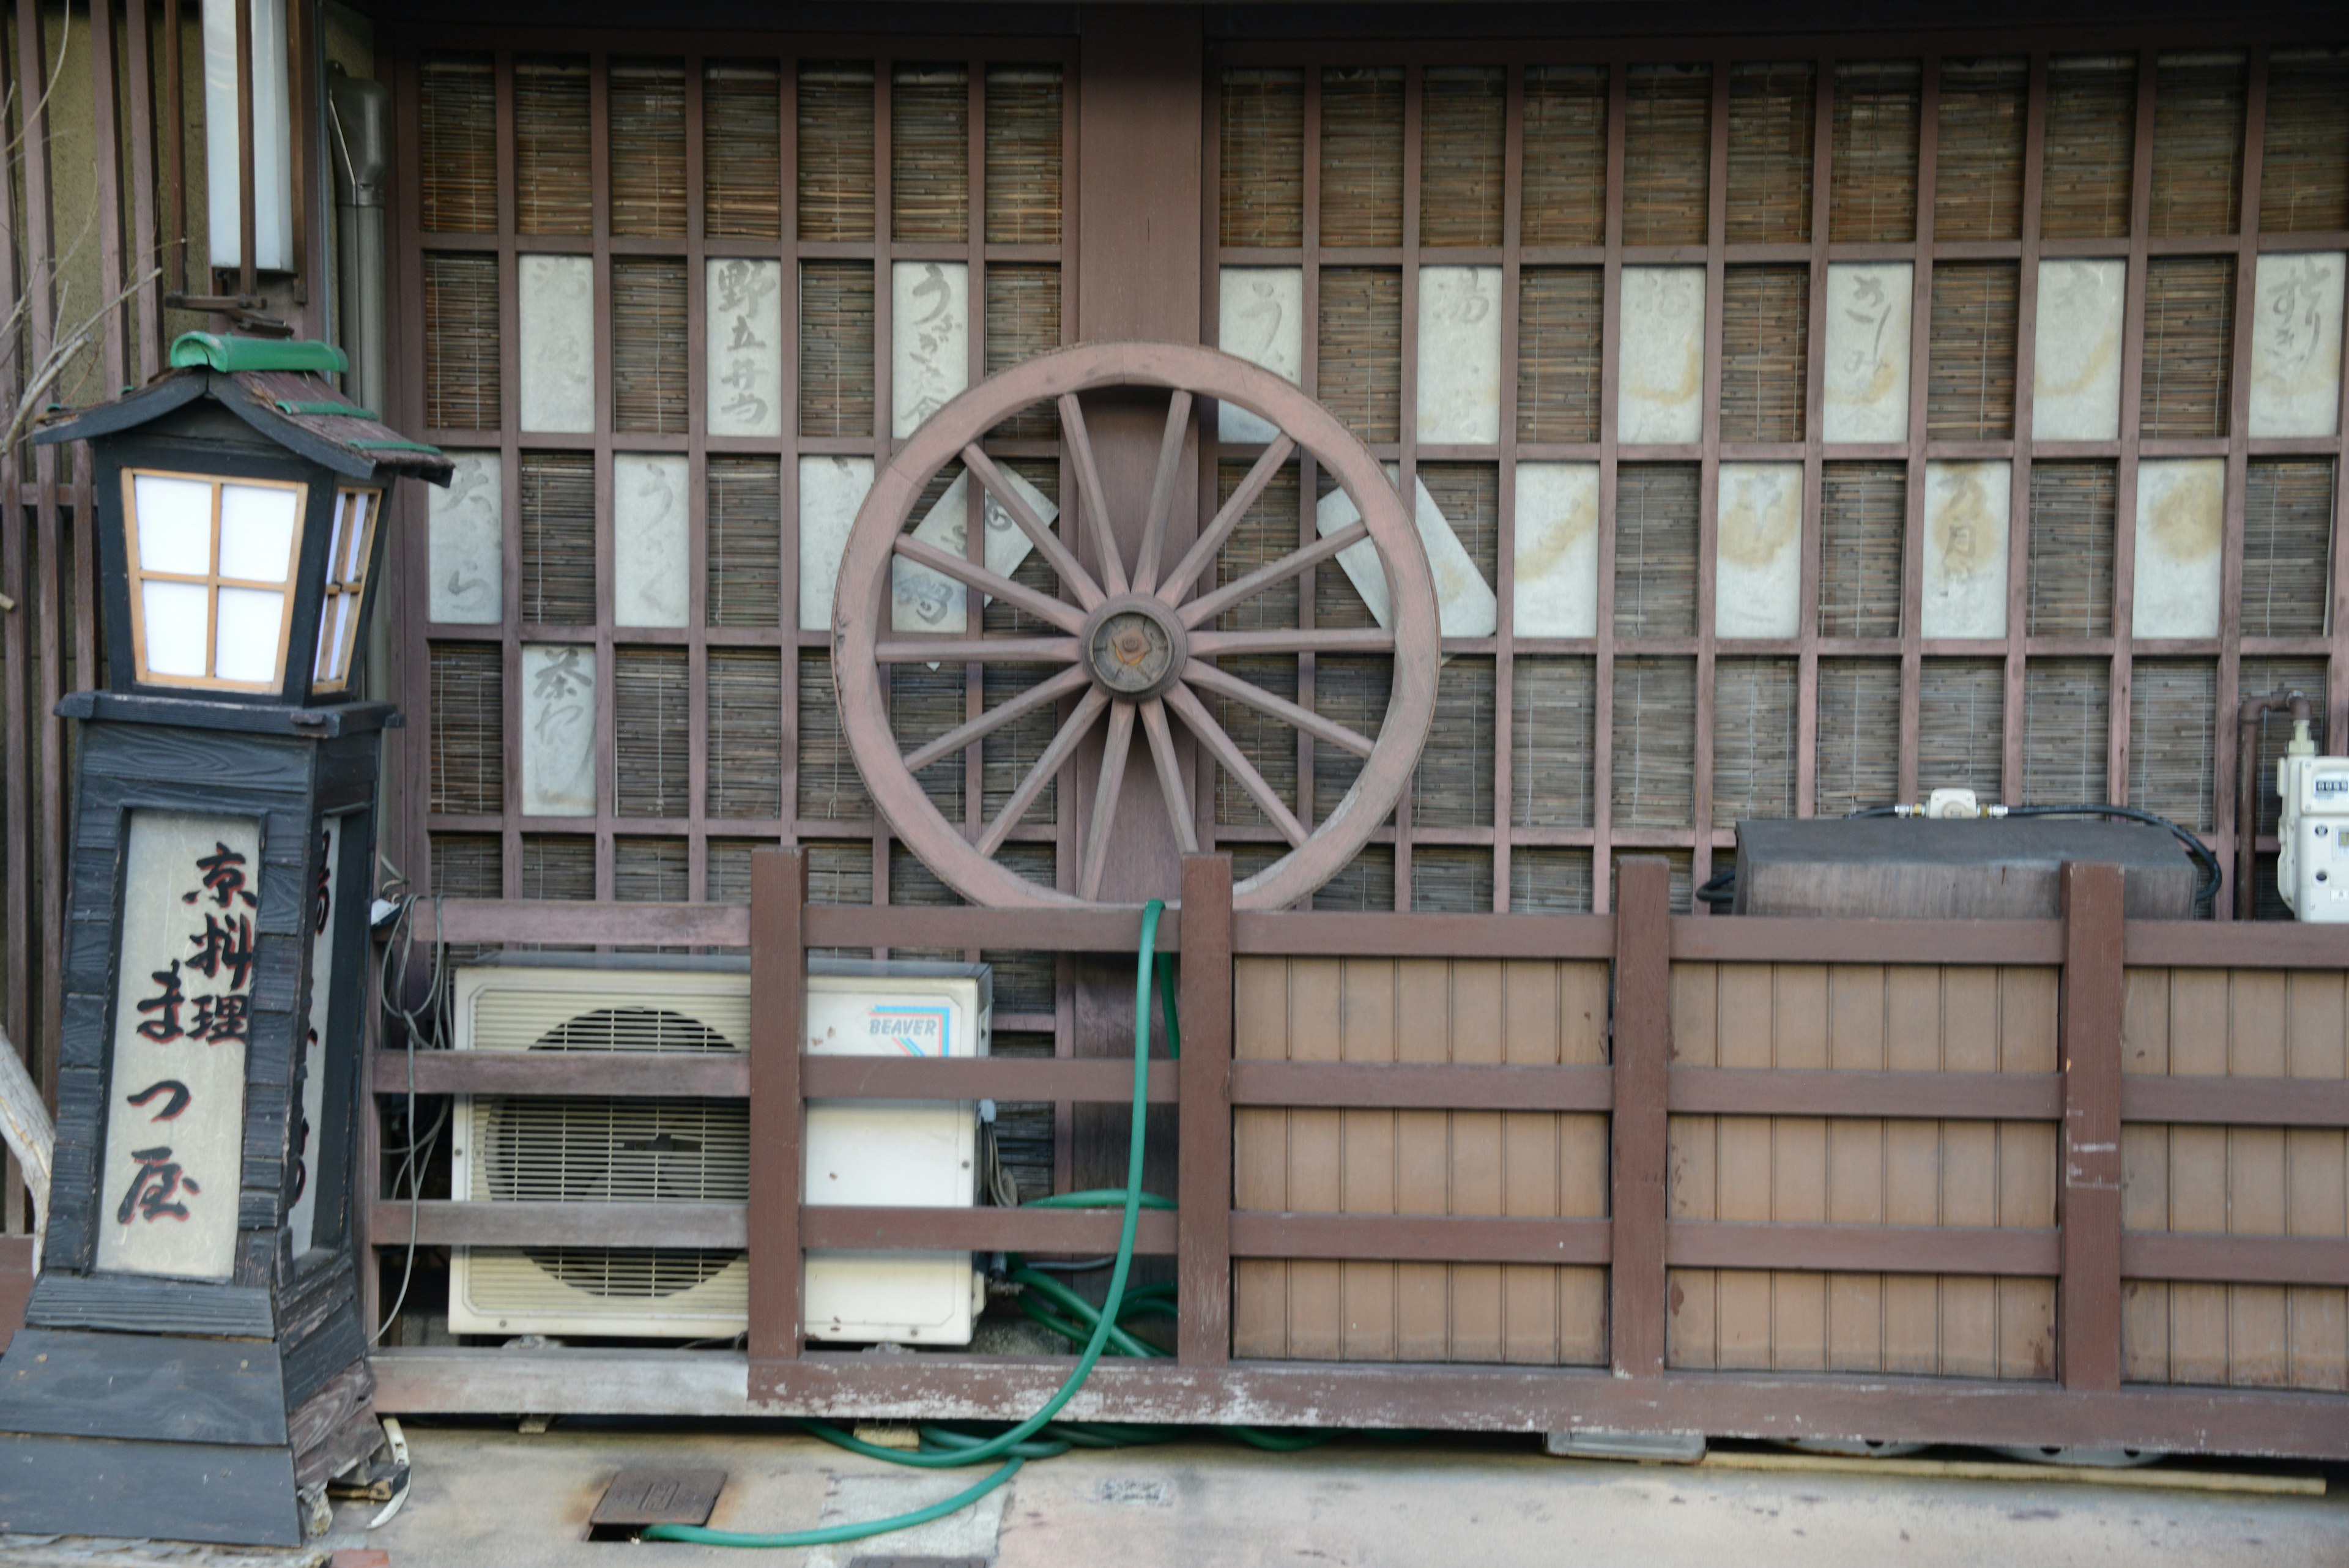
{"x": 2165, "y": 1258}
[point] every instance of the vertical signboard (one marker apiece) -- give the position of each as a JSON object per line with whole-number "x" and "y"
{"x": 311, "y": 1128}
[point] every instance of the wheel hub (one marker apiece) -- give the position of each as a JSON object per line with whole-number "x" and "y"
{"x": 1134, "y": 646}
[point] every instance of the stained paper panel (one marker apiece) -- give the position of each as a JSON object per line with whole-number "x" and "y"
{"x": 465, "y": 535}
{"x": 1967, "y": 506}
{"x": 1659, "y": 398}
{"x": 557, "y": 344}
{"x": 2296, "y": 345}
{"x": 924, "y": 600}
{"x": 830, "y": 489}
{"x": 2180, "y": 517}
{"x": 1758, "y": 581}
{"x": 744, "y": 307}
{"x": 1460, "y": 355}
{"x": 2075, "y": 360}
{"x": 929, "y": 328}
{"x": 650, "y": 512}
{"x": 182, "y": 1021}
{"x": 1865, "y": 384}
{"x": 1556, "y": 559}
{"x": 1465, "y": 603}
{"x": 1260, "y": 317}
{"x": 558, "y": 734}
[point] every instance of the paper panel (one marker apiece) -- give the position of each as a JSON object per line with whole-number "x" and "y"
{"x": 465, "y": 529}
{"x": 2180, "y": 517}
{"x": 1865, "y": 384}
{"x": 744, "y": 305}
{"x": 1758, "y": 570}
{"x": 1659, "y": 398}
{"x": 929, "y": 330}
{"x": 924, "y": 600}
{"x": 2296, "y": 346}
{"x": 1966, "y": 513}
{"x": 2075, "y": 360}
{"x": 830, "y": 489}
{"x": 1460, "y": 355}
{"x": 1465, "y": 603}
{"x": 1260, "y": 317}
{"x": 1557, "y": 557}
{"x": 557, "y": 342}
{"x": 558, "y": 736}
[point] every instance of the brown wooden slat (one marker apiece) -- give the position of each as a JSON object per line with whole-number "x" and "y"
{"x": 1460, "y": 143}
{"x": 1060, "y": 930}
{"x": 2073, "y": 506}
{"x": 1765, "y": 939}
{"x": 983, "y": 1230}
{"x": 2201, "y": 945}
{"x": 1863, "y": 509}
{"x": 2089, "y": 1200}
{"x": 558, "y": 538}
{"x": 2190, "y": 327}
{"x": 1765, "y": 328}
{"x": 1862, "y": 1248}
{"x": 2304, "y": 167}
{"x": 2067, "y": 727}
{"x": 468, "y": 728}
{"x": 1434, "y": 1238}
{"x": 1970, "y": 391}
{"x": 1878, "y": 107}
{"x": 836, "y": 338}
{"x": 1772, "y": 125}
{"x": 836, "y": 151}
{"x": 1962, "y": 709}
{"x": 2238, "y": 1260}
{"x": 2235, "y": 1102}
{"x": 746, "y": 542}
{"x": 2174, "y": 739}
{"x": 1092, "y": 1081}
{"x": 1654, "y": 782}
{"x": 2288, "y": 508}
{"x": 641, "y": 1074}
{"x": 1640, "y": 1165}
{"x": 1422, "y": 1087}
{"x": 1784, "y": 1092}
{"x": 652, "y": 720}
{"x": 1261, "y": 189}
{"x": 1858, "y": 706}
{"x": 1204, "y": 1173}
{"x": 1980, "y": 146}
{"x": 1559, "y": 359}
{"x": 1360, "y": 352}
{"x": 929, "y": 152}
{"x": 460, "y": 342}
{"x": 1423, "y": 936}
{"x": 443, "y": 1223}
{"x": 2091, "y": 144}
{"x": 553, "y": 179}
{"x": 1023, "y": 155}
{"x": 2198, "y": 142}
{"x": 457, "y": 128}
{"x": 649, "y": 382}
{"x": 1565, "y": 178}
{"x": 1552, "y": 709}
{"x": 648, "y": 161}
{"x": 741, "y": 150}
{"x": 1361, "y": 155}
{"x": 744, "y": 757}
{"x": 1667, "y": 155}
{"x": 1754, "y": 708}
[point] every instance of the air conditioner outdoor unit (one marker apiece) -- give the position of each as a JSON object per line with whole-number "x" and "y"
{"x": 603, "y": 1149}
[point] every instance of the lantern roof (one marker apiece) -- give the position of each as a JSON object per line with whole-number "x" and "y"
{"x": 292, "y": 406}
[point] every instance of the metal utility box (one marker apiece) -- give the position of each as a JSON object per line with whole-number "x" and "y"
{"x": 1987, "y": 869}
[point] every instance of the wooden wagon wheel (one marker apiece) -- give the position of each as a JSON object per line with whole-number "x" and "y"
{"x": 1138, "y": 644}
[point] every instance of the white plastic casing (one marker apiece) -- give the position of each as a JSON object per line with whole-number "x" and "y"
{"x": 919, "y": 1154}
{"x": 2313, "y": 867}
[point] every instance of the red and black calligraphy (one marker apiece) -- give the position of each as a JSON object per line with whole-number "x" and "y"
{"x": 159, "y": 1180}
{"x": 224, "y": 953}
{"x": 176, "y": 1098}
{"x": 223, "y": 875}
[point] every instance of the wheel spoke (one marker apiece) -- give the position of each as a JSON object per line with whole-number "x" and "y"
{"x": 1056, "y": 756}
{"x": 1202, "y": 723}
{"x": 1170, "y": 776}
{"x": 1119, "y": 742}
{"x": 1199, "y": 611}
{"x": 1091, "y": 503}
{"x": 976, "y": 650}
{"x": 1161, "y": 492}
{"x": 1043, "y": 606}
{"x": 1037, "y": 696}
{"x": 1195, "y": 559}
{"x": 1224, "y": 683}
{"x": 1325, "y": 640}
{"x": 1079, "y": 581}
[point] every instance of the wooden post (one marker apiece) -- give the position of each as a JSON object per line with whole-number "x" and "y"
{"x": 1204, "y": 1223}
{"x": 2088, "y": 1303}
{"x": 1642, "y": 1048}
{"x": 778, "y": 1014}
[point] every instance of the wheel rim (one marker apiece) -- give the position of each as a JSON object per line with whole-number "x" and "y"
{"x": 1132, "y": 645}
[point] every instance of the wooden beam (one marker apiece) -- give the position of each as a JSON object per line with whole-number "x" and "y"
{"x": 1100, "y": 1080}
{"x": 1312, "y": 934}
{"x": 1642, "y": 1048}
{"x": 1381, "y": 1085}
{"x": 1785, "y": 1092}
{"x": 2088, "y": 1195}
{"x": 655, "y": 1075}
{"x": 778, "y": 1019}
{"x": 2236, "y": 1260}
{"x": 982, "y": 1229}
{"x": 1203, "y": 1269}
{"x": 1761, "y": 939}
{"x": 1865, "y": 1248}
{"x": 2236, "y": 1102}
{"x": 442, "y": 1224}
{"x": 1411, "y": 1238}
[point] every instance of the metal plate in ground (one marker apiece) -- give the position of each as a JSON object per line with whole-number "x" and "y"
{"x": 869, "y": 1562}
{"x": 638, "y": 1498}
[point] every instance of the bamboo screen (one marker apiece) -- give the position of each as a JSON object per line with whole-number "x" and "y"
{"x": 1826, "y": 431}
{"x": 664, "y": 332}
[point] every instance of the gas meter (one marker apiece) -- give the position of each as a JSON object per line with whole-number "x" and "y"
{"x": 2312, "y": 864}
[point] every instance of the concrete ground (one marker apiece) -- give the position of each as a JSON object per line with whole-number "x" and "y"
{"x": 487, "y": 1495}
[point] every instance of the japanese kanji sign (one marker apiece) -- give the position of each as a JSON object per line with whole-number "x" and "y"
{"x": 183, "y": 1015}
{"x": 309, "y": 1130}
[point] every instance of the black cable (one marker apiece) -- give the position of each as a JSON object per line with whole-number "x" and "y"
{"x": 2198, "y": 851}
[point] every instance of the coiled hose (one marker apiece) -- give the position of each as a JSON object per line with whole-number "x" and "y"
{"x": 1064, "y": 1311}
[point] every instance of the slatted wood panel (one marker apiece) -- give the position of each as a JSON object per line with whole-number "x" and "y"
{"x": 1262, "y": 138}
{"x": 2242, "y": 1181}
{"x": 1971, "y": 353}
{"x": 1755, "y": 702}
{"x": 2287, "y": 545}
{"x": 746, "y": 542}
{"x": 1860, "y": 704}
{"x": 1558, "y": 357}
{"x": 461, "y": 381}
{"x": 469, "y": 754}
{"x": 1654, "y": 739}
{"x": 1462, "y": 180}
{"x": 2067, "y": 717}
{"x": 648, "y": 190}
{"x": 1545, "y": 880}
{"x": 1469, "y": 496}
{"x": 1267, "y": 743}
{"x": 929, "y": 152}
{"x": 1980, "y": 148}
{"x": 1352, "y": 690}
{"x": 558, "y": 866}
{"x": 1008, "y": 754}
{"x": 742, "y": 151}
{"x": 745, "y": 733}
{"x": 924, "y": 704}
{"x": 554, "y": 178}
{"x": 1863, "y": 514}
{"x": 2190, "y": 322}
{"x": 1656, "y": 509}
{"x": 1365, "y": 887}
{"x": 1772, "y": 125}
{"x": 1266, "y": 532}
{"x": 651, "y": 871}
{"x": 1023, "y": 320}
{"x": 650, "y": 379}
{"x": 1452, "y": 878}
{"x": 1452, "y": 787}
{"x": 2198, "y": 142}
{"x": 830, "y": 789}
{"x": 2071, "y": 581}
{"x": 2174, "y": 739}
{"x": 836, "y": 151}
{"x": 2091, "y": 147}
{"x": 835, "y": 349}
{"x": 1878, "y": 107}
{"x": 457, "y": 133}
{"x": 1361, "y": 339}
{"x": 1361, "y": 156}
{"x": 1667, "y": 155}
{"x": 2304, "y": 164}
{"x": 1524, "y": 1164}
{"x": 468, "y": 865}
{"x": 1863, "y": 1171}
{"x": 1961, "y": 717}
{"x": 1566, "y": 155}
{"x": 1765, "y": 332}
{"x": 1023, "y": 155}
{"x": 558, "y": 538}
{"x": 1553, "y": 707}
{"x": 652, "y": 718}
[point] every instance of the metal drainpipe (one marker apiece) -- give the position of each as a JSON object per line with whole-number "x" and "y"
{"x": 2247, "y": 787}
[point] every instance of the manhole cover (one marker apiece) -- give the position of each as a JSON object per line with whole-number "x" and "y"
{"x": 638, "y": 1498}
{"x": 871, "y": 1561}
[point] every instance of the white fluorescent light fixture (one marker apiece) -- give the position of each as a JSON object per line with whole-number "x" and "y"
{"x": 273, "y": 137}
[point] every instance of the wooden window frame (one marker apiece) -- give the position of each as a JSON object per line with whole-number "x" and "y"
{"x": 339, "y": 585}
{"x": 211, "y": 582}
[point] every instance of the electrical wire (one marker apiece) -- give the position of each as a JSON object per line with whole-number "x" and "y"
{"x": 425, "y": 1020}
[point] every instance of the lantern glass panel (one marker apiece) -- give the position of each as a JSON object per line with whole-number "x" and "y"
{"x": 347, "y": 562}
{"x": 213, "y": 569}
